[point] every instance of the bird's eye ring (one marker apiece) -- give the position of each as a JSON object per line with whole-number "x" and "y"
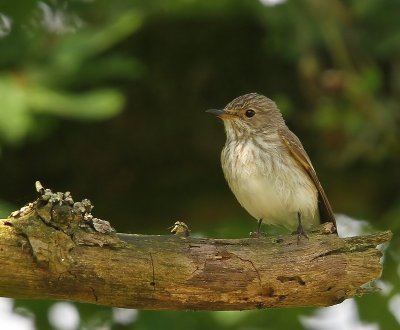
{"x": 250, "y": 113}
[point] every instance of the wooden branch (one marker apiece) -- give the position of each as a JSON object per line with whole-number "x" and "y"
{"x": 55, "y": 249}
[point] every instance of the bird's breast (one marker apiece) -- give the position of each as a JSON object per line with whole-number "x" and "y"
{"x": 269, "y": 183}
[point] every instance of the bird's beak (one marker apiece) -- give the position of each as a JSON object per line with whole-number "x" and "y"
{"x": 218, "y": 112}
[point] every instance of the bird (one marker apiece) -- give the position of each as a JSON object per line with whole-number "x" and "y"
{"x": 267, "y": 168}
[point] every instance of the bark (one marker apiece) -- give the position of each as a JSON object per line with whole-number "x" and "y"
{"x": 57, "y": 250}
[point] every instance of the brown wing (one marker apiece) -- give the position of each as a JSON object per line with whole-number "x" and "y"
{"x": 296, "y": 149}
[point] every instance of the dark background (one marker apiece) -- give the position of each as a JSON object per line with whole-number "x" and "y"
{"x": 106, "y": 99}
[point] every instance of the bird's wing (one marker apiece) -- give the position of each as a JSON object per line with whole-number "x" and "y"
{"x": 296, "y": 149}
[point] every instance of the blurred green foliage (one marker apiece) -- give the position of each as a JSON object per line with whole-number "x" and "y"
{"x": 107, "y": 98}
{"x": 51, "y": 62}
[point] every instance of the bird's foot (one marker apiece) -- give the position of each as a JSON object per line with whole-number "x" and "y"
{"x": 300, "y": 230}
{"x": 257, "y": 234}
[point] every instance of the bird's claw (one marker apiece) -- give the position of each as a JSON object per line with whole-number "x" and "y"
{"x": 257, "y": 234}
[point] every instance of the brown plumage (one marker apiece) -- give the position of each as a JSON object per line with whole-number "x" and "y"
{"x": 267, "y": 167}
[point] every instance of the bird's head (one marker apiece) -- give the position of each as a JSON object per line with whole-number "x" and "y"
{"x": 249, "y": 114}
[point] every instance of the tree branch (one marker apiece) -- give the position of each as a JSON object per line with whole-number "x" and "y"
{"x": 55, "y": 249}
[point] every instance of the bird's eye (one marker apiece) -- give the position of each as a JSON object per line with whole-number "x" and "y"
{"x": 250, "y": 113}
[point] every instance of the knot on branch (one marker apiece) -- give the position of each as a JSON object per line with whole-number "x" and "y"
{"x": 54, "y": 223}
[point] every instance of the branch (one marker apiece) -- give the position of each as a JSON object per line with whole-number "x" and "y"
{"x": 55, "y": 249}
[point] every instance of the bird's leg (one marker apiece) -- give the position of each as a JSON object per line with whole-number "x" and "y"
{"x": 259, "y": 223}
{"x": 300, "y": 230}
{"x": 258, "y": 233}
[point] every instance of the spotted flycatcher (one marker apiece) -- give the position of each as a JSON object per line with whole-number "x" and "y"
{"x": 267, "y": 167}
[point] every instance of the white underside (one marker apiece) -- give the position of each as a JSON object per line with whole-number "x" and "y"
{"x": 273, "y": 190}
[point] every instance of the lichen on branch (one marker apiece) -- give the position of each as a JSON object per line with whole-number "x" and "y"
{"x": 61, "y": 251}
